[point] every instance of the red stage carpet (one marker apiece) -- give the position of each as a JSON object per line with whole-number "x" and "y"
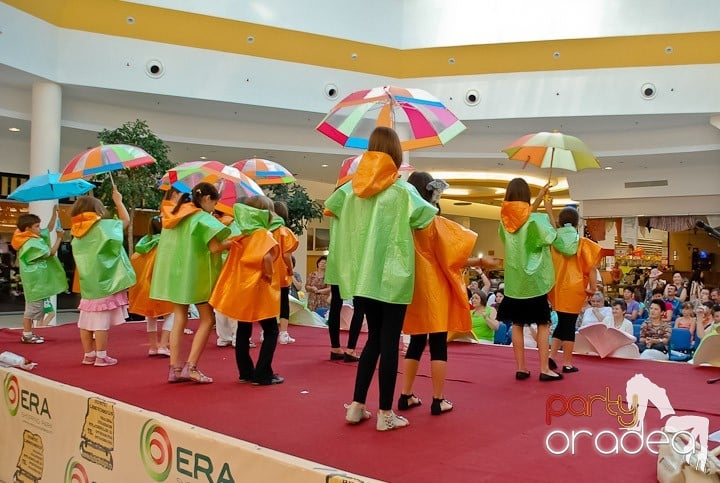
{"x": 496, "y": 432}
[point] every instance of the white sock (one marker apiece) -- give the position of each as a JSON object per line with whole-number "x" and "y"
{"x": 27, "y": 334}
{"x": 90, "y": 354}
{"x": 101, "y": 354}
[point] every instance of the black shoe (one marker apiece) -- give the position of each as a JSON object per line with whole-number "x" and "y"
{"x": 334, "y": 356}
{"x": 408, "y": 401}
{"x": 552, "y": 364}
{"x": 276, "y": 379}
{"x": 350, "y": 358}
{"x": 567, "y": 369}
{"x": 520, "y": 375}
{"x": 547, "y": 377}
{"x": 440, "y": 406}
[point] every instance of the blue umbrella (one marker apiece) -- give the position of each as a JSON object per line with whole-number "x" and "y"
{"x": 49, "y": 187}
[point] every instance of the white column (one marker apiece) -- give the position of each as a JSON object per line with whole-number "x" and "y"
{"x": 45, "y": 145}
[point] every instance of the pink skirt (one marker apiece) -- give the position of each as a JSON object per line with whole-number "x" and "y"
{"x": 101, "y": 314}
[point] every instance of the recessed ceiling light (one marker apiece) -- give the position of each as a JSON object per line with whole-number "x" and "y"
{"x": 14, "y": 129}
{"x": 608, "y": 168}
{"x": 324, "y": 165}
{"x": 203, "y": 157}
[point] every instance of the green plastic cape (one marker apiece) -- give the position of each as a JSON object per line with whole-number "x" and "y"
{"x": 42, "y": 276}
{"x": 101, "y": 260}
{"x": 147, "y": 244}
{"x": 185, "y": 271}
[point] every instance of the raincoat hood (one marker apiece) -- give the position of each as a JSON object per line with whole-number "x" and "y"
{"x": 567, "y": 240}
{"x": 82, "y": 223}
{"x": 276, "y": 223}
{"x": 250, "y": 219}
{"x": 514, "y": 214}
{"x": 376, "y": 172}
{"x": 170, "y": 219}
{"x": 20, "y": 237}
{"x": 147, "y": 243}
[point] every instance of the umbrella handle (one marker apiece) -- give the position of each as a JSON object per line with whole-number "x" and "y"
{"x": 552, "y": 155}
{"x": 111, "y": 178}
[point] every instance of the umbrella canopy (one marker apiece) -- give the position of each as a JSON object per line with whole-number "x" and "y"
{"x": 105, "y": 158}
{"x": 49, "y": 187}
{"x": 264, "y": 171}
{"x": 232, "y": 191}
{"x": 349, "y": 167}
{"x": 420, "y": 119}
{"x": 186, "y": 175}
{"x": 552, "y": 150}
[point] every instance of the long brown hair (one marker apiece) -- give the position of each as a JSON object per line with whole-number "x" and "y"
{"x": 199, "y": 191}
{"x": 517, "y": 190}
{"x": 88, "y": 203}
{"x": 386, "y": 140}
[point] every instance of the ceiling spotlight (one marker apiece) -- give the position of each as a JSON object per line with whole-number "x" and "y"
{"x": 14, "y": 129}
{"x": 608, "y": 168}
{"x": 324, "y": 165}
{"x": 203, "y": 157}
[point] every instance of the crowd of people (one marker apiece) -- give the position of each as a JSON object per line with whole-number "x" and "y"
{"x": 391, "y": 253}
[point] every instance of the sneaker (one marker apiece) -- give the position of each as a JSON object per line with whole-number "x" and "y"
{"x": 356, "y": 413}
{"x": 284, "y": 338}
{"x": 275, "y": 379}
{"x": 89, "y": 360}
{"x": 224, "y": 343}
{"x": 252, "y": 344}
{"x": 32, "y": 339}
{"x": 389, "y": 421}
{"x": 163, "y": 352}
{"x": 152, "y": 352}
{"x": 105, "y": 361}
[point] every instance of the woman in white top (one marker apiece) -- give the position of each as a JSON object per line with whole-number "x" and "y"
{"x": 617, "y": 320}
{"x": 597, "y": 311}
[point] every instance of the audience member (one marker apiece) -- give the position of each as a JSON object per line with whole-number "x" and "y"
{"x": 681, "y": 292}
{"x": 655, "y": 331}
{"x": 317, "y": 290}
{"x": 632, "y": 312}
{"x": 617, "y": 319}
{"x": 687, "y": 320}
{"x": 657, "y": 294}
{"x": 597, "y": 311}
{"x": 484, "y": 318}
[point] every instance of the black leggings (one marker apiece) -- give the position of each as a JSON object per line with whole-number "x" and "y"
{"x": 438, "y": 346}
{"x": 334, "y": 321}
{"x": 284, "y": 302}
{"x": 263, "y": 370}
{"x": 565, "y": 329}
{"x": 385, "y": 322}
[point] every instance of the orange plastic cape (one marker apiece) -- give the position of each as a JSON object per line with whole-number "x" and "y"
{"x": 571, "y": 276}
{"x": 83, "y": 222}
{"x": 514, "y": 214}
{"x": 20, "y": 237}
{"x": 439, "y": 301}
{"x": 170, "y": 219}
{"x": 287, "y": 243}
{"x": 139, "y": 294}
{"x": 376, "y": 172}
{"x": 240, "y": 292}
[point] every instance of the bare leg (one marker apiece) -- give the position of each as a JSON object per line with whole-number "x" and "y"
{"x": 177, "y": 333}
{"x": 27, "y": 325}
{"x": 438, "y": 370}
{"x": 568, "y": 346}
{"x": 555, "y": 347}
{"x": 203, "y": 333}
{"x": 47, "y": 319}
{"x": 152, "y": 332}
{"x": 409, "y": 372}
{"x": 101, "y": 340}
{"x": 543, "y": 331}
{"x": 164, "y": 339}
{"x": 86, "y": 338}
{"x": 518, "y": 342}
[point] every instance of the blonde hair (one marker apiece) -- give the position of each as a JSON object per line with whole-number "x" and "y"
{"x": 88, "y": 203}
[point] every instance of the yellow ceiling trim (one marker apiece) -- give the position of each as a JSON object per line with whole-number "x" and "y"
{"x": 199, "y": 31}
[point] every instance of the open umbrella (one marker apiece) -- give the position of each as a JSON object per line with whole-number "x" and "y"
{"x": 49, "y": 187}
{"x": 552, "y": 150}
{"x": 186, "y": 175}
{"x": 105, "y": 158}
{"x": 264, "y": 171}
{"x": 420, "y": 119}
{"x": 350, "y": 165}
{"x": 233, "y": 190}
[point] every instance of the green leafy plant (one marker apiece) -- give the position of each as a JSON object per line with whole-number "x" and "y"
{"x": 301, "y": 208}
{"x": 138, "y": 186}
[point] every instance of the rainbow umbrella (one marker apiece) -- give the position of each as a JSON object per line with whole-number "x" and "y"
{"x": 186, "y": 175}
{"x": 349, "y": 167}
{"x": 264, "y": 171}
{"x": 233, "y": 191}
{"x": 105, "y": 158}
{"x": 420, "y": 119}
{"x": 552, "y": 150}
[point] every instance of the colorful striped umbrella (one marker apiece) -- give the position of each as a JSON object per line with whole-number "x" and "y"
{"x": 349, "y": 167}
{"x": 105, "y": 158}
{"x": 186, "y": 175}
{"x": 420, "y": 119}
{"x": 264, "y": 171}
{"x": 552, "y": 150}
{"x": 233, "y": 191}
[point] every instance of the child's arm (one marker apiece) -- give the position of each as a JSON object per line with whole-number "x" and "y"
{"x": 540, "y": 197}
{"x": 267, "y": 267}
{"x": 58, "y": 241}
{"x": 216, "y": 246}
{"x": 121, "y": 210}
{"x": 592, "y": 280}
{"x": 53, "y": 219}
{"x": 549, "y": 211}
{"x": 287, "y": 258}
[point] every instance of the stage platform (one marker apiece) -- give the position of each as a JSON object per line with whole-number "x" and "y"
{"x": 500, "y": 430}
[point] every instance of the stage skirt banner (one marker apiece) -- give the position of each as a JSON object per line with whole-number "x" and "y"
{"x": 54, "y": 432}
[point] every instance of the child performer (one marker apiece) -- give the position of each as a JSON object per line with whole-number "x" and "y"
{"x": 225, "y": 327}
{"x": 439, "y": 300}
{"x": 143, "y": 262}
{"x": 187, "y": 264}
{"x": 248, "y": 291}
{"x": 41, "y": 272}
{"x": 529, "y": 273}
{"x": 372, "y": 258}
{"x": 575, "y": 259}
{"x": 104, "y": 271}
{"x": 283, "y": 268}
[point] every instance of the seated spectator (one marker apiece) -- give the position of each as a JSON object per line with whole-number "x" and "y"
{"x": 484, "y": 321}
{"x": 715, "y": 296}
{"x": 297, "y": 283}
{"x": 597, "y": 311}
{"x": 687, "y": 320}
{"x": 676, "y": 303}
{"x": 681, "y": 292}
{"x": 704, "y": 321}
{"x": 618, "y": 319}
{"x": 657, "y": 294}
{"x": 632, "y": 312}
{"x": 655, "y": 331}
